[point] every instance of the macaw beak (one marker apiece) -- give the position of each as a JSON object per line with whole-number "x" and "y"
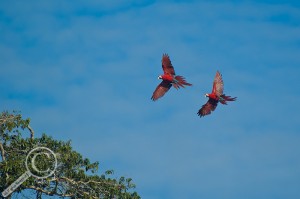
{"x": 159, "y": 77}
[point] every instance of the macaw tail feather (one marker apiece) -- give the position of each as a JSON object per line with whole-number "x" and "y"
{"x": 180, "y": 82}
{"x": 224, "y": 99}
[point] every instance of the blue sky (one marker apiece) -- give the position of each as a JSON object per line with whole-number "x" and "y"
{"x": 85, "y": 71}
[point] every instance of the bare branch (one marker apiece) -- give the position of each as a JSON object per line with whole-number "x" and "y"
{"x": 85, "y": 183}
{"x": 3, "y": 157}
{"x": 2, "y": 151}
{"x": 79, "y": 184}
{"x": 31, "y": 132}
{"x": 50, "y": 193}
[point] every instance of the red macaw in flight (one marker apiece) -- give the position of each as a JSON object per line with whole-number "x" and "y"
{"x": 215, "y": 96}
{"x": 168, "y": 79}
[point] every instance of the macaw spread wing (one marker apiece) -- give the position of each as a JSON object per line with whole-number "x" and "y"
{"x": 218, "y": 84}
{"x": 161, "y": 89}
{"x": 207, "y": 108}
{"x": 167, "y": 65}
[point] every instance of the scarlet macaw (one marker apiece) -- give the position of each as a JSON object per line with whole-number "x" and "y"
{"x": 168, "y": 79}
{"x": 215, "y": 96}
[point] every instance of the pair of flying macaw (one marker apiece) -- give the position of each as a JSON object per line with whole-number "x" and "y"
{"x": 169, "y": 79}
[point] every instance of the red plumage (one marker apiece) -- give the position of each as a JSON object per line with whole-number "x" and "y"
{"x": 215, "y": 96}
{"x": 169, "y": 79}
{"x": 167, "y": 65}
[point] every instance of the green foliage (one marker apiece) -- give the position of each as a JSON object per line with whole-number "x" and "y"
{"x": 75, "y": 176}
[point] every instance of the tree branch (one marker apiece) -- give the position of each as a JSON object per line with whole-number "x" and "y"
{"x": 31, "y": 132}
{"x": 3, "y": 158}
{"x": 85, "y": 183}
{"x": 2, "y": 151}
{"x": 78, "y": 184}
{"x": 50, "y": 193}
